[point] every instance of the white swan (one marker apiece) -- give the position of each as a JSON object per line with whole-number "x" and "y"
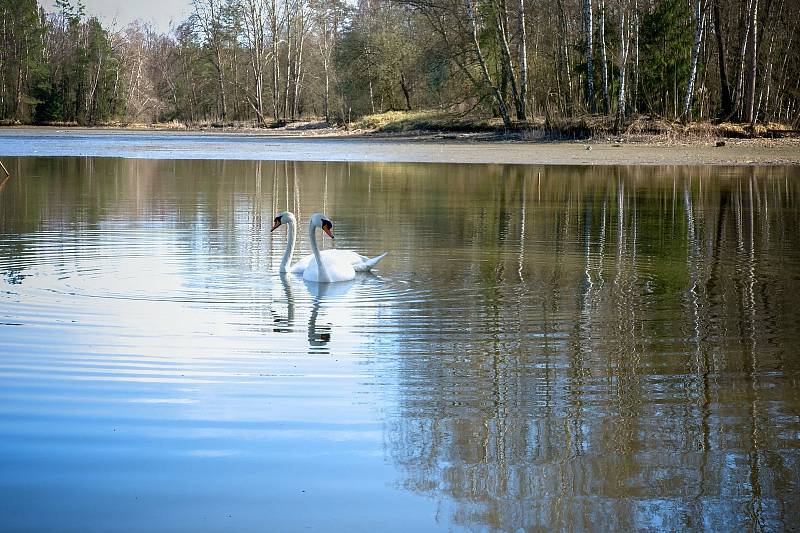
{"x": 326, "y": 266}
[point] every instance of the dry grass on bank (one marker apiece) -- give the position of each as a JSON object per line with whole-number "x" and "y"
{"x": 424, "y": 120}
{"x": 584, "y": 127}
{"x": 446, "y": 124}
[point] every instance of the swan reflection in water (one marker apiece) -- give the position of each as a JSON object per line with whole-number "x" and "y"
{"x": 319, "y": 335}
{"x": 285, "y": 324}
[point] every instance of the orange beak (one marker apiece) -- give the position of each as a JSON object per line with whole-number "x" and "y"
{"x": 329, "y": 232}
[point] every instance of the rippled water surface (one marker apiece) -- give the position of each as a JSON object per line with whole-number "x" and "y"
{"x": 544, "y": 348}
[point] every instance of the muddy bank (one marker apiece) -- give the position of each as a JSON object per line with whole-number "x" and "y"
{"x": 300, "y": 145}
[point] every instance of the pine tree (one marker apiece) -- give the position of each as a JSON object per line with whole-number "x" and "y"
{"x": 666, "y": 41}
{"x": 21, "y": 62}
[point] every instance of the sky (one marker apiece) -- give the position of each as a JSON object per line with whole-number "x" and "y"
{"x": 118, "y": 13}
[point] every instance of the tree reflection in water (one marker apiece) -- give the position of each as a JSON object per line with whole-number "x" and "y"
{"x": 577, "y": 348}
{"x": 634, "y": 370}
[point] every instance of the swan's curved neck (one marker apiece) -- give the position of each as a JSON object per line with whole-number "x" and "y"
{"x": 312, "y": 237}
{"x": 291, "y": 233}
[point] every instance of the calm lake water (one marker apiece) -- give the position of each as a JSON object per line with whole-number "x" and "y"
{"x": 544, "y": 348}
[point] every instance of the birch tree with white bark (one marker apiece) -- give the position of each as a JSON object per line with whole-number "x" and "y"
{"x": 699, "y": 27}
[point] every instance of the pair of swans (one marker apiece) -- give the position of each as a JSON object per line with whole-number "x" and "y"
{"x": 328, "y": 266}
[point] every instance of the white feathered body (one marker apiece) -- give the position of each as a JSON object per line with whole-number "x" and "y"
{"x": 360, "y": 263}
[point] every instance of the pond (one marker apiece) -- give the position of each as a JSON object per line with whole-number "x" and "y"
{"x": 544, "y": 347}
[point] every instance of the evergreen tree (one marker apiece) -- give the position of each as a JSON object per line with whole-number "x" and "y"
{"x": 666, "y": 42}
{"x": 21, "y": 62}
{"x": 263, "y": 60}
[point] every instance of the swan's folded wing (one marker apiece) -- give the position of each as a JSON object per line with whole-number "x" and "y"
{"x": 360, "y": 263}
{"x": 344, "y": 256}
{"x": 331, "y": 255}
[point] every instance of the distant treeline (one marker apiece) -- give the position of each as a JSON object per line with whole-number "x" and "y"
{"x": 269, "y": 61}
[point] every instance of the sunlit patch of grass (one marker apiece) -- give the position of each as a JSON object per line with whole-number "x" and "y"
{"x": 425, "y": 120}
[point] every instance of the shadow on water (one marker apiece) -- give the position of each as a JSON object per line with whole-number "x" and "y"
{"x": 547, "y": 348}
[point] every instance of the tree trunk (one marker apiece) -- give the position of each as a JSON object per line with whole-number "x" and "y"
{"x": 624, "y": 46}
{"x": 563, "y": 49}
{"x": 745, "y": 41}
{"x": 193, "y": 94}
{"x": 523, "y": 62}
{"x": 501, "y": 104}
{"x": 698, "y": 36}
{"x": 288, "y": 61}
{"x": 326, "y": 100}
{"x": 221, "y": 81}
{"x": 749, "y": 103}
{"x": 324, "y": 43}
{"x": 768, "y": 79}
{"x": 587, "y": 29}
{"x": 326, "y": 97}
{"x": 508, "y": 67}
{"x": 4, "y": 111}
{"x": 234, "y": 66}
{"x": 275, "y": 61}
{"x": 604, "y": 59}
{"x": 635, "y": 100}
{"x": 298, "y": 68}
{"x": 781, "y": 87}
{"x": 725, "y": 89}
{"x": 253, "y": 12}
{"x": 406, "y": 94}
{"x": 92, "y": 104}
{"x": 209, "y": 18}
{"x": 371, "y": 98}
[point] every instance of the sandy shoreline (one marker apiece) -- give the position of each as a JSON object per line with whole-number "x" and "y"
{"x": 327, "y": 145}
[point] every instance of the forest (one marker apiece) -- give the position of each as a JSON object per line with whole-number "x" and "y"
{"x": 269, "y": 62}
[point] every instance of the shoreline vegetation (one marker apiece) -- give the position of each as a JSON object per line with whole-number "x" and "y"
{"x": 427, "y": 138}
{"x": 534, "y": 71}
{"x": 434, "y": 122}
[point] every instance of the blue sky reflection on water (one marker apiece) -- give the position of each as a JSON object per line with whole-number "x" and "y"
{"x": 145, "y": 377}
{"x": 186, "y": 410}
